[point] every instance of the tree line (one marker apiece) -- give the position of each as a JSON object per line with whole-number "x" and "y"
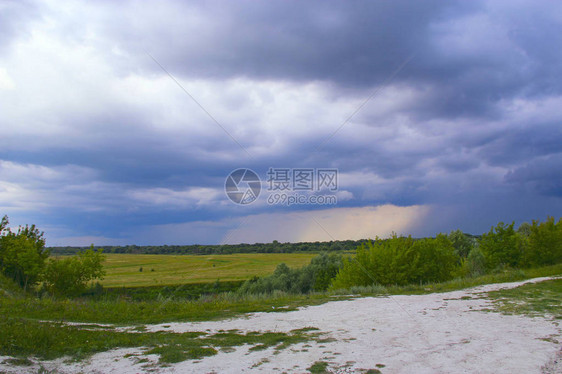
{"x": 197, "y": 249}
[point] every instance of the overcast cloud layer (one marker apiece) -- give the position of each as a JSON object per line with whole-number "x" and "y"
{"x": 99, "y": 144}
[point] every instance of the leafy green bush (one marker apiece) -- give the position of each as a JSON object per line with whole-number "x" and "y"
{"x": 544, "y": 243}
{"x": 69, "y": 276}
{"x": 22, "y": 254}
{"x": 461, "y": 242}
{"x": 500, "y": 246}
{"x": 475, "y": 263}
{"x": 524, "y": 229}
{"x": 316, "y": 276}
{"x": 400, "y": 261}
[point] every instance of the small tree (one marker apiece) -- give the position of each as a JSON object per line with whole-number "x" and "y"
{"x": 524, "y": 229}
{"x": 500, "y": 246}
{"x": 462, "y": 243}
{"x": 475, "y": 263}
{"x": 22, "y": 254}
{"x": 544, "y": 246}
{"x": 432, "y": 260}
{"x": 70, "y": 276}
{"x": 399, "y": 260}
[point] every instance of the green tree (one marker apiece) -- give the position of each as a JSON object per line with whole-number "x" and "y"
{"x": 431, "y": 260}
{"x": 500, "y": 246}
{"x": 22, "y": 254}
{"x": 462, "y": 243}
{"x": 316, "y": 276}
{"x": 524, "y": 229}
{"x": 475, "y": 263}
{"x": 544, "y": 245}
{"x": 399, "y": 260}
{"x": 69, "y": 276}
{"x": 323, "y": 269}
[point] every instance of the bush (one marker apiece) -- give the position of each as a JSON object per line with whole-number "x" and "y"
{"x": 400, "y": 261}
{"x": 22, "y": 254}
{"x": 501, "y": 247}
{"x": 70, "y": 276}
{"x": 544, "y": 244}
{"x": 461, "y": 242}
{"x": 524, "y": 229}
{"x": 315, "y": 276}
{"x": 475, "y": 263}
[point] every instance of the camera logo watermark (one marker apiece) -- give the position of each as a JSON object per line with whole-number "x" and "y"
{"x": 242, "y": 186}
{"x": 286, "y": 186}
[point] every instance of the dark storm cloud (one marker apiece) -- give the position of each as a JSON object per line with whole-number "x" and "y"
{"x": 350, "y": 43}
{"x": 463, "y": 125}
{"x": 470, "y": 56}
{"x": 520, "y": 145}
{"x": 542, "y": 175}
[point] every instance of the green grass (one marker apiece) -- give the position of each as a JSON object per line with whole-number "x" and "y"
{"x": 126, "y": 312}
{"x": 19, "y": 361}
{"x": 189, "y": 291}
{"x": 21, "y": 338}
{"x": 160, "y": 270}
{"x": 536, "y": 299}
{"x": 511, "y": 275}
{"x": 319, "y": 367}
{"x": 8, "y": 288}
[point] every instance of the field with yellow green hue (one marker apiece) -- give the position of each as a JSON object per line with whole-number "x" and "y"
{"x": 157, "y": 270}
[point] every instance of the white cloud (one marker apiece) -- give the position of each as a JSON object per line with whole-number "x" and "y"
{"x": 180, "y": 199}
{"x": 6, "y": 83}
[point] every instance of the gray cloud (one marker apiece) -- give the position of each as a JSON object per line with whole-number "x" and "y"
{"x": 469, "y": 126}
{"x": 542, "y": 175}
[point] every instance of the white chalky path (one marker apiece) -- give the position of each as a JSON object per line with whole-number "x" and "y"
{"x": 435, "y": 333}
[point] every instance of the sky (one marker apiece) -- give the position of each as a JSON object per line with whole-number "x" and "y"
{"x": 120, "y": 121}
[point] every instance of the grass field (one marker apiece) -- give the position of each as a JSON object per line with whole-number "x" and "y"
{"x": 123, "y": 270}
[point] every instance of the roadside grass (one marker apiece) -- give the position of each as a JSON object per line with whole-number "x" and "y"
{"x": 508, "y": 275}
{"x": 123, "y": 270}
{"x": 511, "y": 275}
{"x": 21, "y": 338}
{"x": 224, "y": 305}
{"x": 188, "y": 291}
{"x": 123, "y": 312}
{"x": 542, "y": 299}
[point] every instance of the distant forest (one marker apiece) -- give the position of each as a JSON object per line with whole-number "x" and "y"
{"x": 222, "y": 249}
{"x": 196, "y": 249}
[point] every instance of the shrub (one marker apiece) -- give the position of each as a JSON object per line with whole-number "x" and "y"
{"x": 70, "y": 276}
{"x": 315, "y": 276}
{"x": 524, "y": 229}
{"x": 432, "y": 260}
{"x": 544, "y": 246}
{"x": 22, "y": 254}
{"x": 475, "y": 263}
{"x": 461, "y": 242}
{"x": 400, "y": 261}
{"x": 500, "y": 246}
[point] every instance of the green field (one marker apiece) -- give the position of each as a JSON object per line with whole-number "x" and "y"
{"x": 123, "y": 270}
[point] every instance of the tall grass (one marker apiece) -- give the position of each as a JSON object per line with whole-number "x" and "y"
{"x": 224, "y": 305}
